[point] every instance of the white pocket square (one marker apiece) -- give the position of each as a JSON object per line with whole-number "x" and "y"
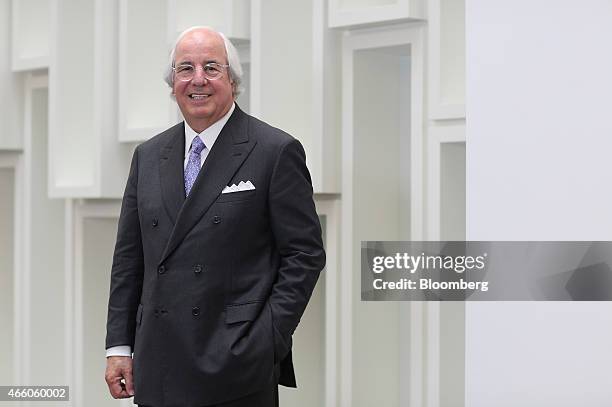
{"x": 242, "y": 186}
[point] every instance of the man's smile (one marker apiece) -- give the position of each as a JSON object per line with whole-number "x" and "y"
{"x": 199, "y": 96}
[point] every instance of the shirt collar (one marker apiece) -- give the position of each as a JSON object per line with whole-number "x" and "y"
{"x": 208, "y": 136}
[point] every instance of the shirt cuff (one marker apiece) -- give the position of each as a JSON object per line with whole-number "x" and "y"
{"x": 124, "y": 350}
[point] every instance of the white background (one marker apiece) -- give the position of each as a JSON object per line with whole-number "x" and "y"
{"x": 539, "y": 140}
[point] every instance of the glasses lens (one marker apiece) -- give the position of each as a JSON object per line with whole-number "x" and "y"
{"x": 212, "y": 71}
{"x": 184, "y": 72}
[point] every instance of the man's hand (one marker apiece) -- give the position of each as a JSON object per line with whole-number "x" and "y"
{"x": 119, "y": 376}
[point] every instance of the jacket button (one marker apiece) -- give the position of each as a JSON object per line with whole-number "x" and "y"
{"x": 155, "y": 222}
{"x": 195, "y": 311}
{"x": 161, "y": 269}
{"x": 216, "y": 220}
{"x": 197, "y": 268}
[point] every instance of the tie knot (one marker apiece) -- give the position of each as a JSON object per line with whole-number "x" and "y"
{"x": 197, "y": 145}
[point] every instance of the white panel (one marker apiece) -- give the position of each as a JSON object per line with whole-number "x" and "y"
{"x": 45, "y": 251}
{"x": 200, "y": 12}
{"x": 11, "y": 87}
{"x": 72, "y": 96}
{"x": 452, "y": 51}
{"x": 98, "y": 242}
{"x": 452, "y": 354}
{"x": 379, "y": 201}
{"x": 283, "y": 63}
{"x": 343, "y": 13}
{"x": 349, "y": 4}
{"x": 31, "y": 34}
{"x": 446, "y": 180}
{"x": 327, "y": 98}
{"x": 244, "y": 99}
{"x": 538, "y": 168}
{"x": 309, "y": 111}
{"x": 240, "y": 15}
{"x": 447, "y": 59}
{"x": 382, "y": 99}
{"x": 145, "y": 105}
{"x": 452, "y": 191}
{"x": 6, "y": 275}
{"x": 86, "y": 158}
{"x": 229, "y": 16}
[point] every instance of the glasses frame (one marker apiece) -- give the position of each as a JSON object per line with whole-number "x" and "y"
{"x": 195, "y": 67}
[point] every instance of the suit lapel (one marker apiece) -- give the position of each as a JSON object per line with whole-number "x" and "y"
{"x": 171, "y": 158}
{"x": 225, "y": 158}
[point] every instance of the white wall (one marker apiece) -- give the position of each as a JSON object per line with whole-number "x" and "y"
{"x": 6, "y": 275}
{"x": 452, "y": 191}
{"x": 46, "y": 246}
{"x": 98, "y": 243}
{"x": 11, "y": 102}
{"x": 538, "y": 145}
{"x": 380, "y": 201}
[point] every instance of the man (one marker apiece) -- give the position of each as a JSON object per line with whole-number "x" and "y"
{"x": 218, "y": 248}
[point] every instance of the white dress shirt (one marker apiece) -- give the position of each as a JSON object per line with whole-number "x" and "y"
{"x": 208, "y": 136}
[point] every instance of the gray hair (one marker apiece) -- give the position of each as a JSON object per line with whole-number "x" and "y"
{"x": 235, "y": 69}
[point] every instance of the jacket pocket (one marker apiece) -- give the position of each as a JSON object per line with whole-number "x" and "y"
{"x": 237, "y": 196}
{"x": 242, "y": 312}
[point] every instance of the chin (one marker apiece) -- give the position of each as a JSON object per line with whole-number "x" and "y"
{"x": 200, "y": 110}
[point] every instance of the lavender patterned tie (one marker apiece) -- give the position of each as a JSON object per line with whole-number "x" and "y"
{"x": 193, "y": 165}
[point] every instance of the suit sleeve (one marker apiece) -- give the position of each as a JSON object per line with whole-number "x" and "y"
{"x": 127, "y": 268}
{"x": 297, "y": 232}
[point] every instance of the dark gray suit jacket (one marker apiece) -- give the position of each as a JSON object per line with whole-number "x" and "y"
{"x": 208, "y": 290}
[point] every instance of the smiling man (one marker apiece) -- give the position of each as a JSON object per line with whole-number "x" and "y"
{"x": 218, "y": 248}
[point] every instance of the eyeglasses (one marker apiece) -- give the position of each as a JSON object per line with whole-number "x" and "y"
{"x": 212, "y": 71}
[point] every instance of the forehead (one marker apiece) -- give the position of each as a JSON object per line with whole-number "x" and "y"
{"x": 201, "y": 47}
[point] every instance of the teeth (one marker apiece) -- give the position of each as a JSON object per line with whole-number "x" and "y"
{"x": 199, "y": 96}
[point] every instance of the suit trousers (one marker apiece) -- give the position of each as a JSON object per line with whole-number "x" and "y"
{"x": 267, "y": 397}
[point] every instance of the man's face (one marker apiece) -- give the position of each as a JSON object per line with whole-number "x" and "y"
{"x": 202, "y": 101}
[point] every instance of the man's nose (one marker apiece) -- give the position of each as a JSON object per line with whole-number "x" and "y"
{"x": 198, "y": 77}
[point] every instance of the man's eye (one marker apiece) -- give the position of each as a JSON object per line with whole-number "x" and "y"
{"x": 211, "y": 69}
{"x": 184, "y": 69}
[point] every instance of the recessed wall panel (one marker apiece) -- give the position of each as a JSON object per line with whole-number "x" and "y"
{"x": 145, "y": 103}
{"x": 30, "y": 29}
{"x": 354, "y": 13}
{"x": 232, "y": 17}
{"x": 284, "y": 63}
{"x": 87, "y": 160}
{"x": 380, "y": 202}
{"x": 349, "y": 4}
{"x": 452, "y": 191}
{"x": 73, "y": 97}
{"x": 452, "y": 354}
{"x": 11, "y": 87}
{"x": 200, "y": 12}
{"x": 98, "y": 243}
{"x": 7, "y": 210}
{"x": 244, "y": 99}
{"x": 46, "y": 257}
{"x": 452, "y": 51}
